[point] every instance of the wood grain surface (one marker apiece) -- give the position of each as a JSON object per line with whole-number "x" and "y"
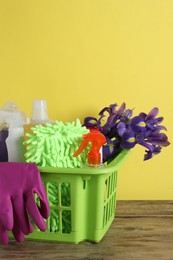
{"x": 141, "y": 230}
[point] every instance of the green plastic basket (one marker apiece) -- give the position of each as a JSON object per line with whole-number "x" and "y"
{"x": 82, "y": 202}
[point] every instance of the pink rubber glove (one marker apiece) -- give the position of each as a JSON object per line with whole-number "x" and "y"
{"x": 18, "y": 183}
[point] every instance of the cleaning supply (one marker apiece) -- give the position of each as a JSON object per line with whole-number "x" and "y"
{"x": 54, "y": 144}
{"x": 18, "y": 184}
{"x": 40, "y": 112}
{"x": 3, "y": 146}
{"x": 39, "y": 115}
{"x": 15, "y": 119}
{"x": 97, "y": 139}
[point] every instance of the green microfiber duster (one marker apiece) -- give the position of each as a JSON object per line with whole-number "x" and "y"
{"x": 54, "y": 144}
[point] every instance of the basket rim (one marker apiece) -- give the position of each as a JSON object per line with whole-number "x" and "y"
{"x": 106, "y": 169}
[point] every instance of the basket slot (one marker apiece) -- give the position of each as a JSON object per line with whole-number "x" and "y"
{"x": 59, "y": 197}
{"x": 54, "y": 221}
{"x": 66, "y": 221}
{"x": 65, "y": 194}
{"x": 52, "y": 193}
{"x": 109, "y": 198}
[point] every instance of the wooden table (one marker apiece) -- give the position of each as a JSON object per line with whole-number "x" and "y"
{"x": 141, "y": 230}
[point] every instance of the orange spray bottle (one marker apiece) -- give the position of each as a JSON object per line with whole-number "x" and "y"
{"x": 97, "y": 140}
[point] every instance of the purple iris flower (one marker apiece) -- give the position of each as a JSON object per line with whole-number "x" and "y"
{"x": 91, "y": 122}
{"x": 110, "y": 149}
{"x": 149, "y": 153}
{"x": 114, "y": 117}
{"x": 137, "y": 124}
{"x": 147, "y": 132}
{"x": 151, "y": 115}
{"x": 121, "y": 128}
{"x": 128, "y": 140}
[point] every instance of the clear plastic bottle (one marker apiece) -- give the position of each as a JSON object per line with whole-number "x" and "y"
{"x": 39, "y": 116}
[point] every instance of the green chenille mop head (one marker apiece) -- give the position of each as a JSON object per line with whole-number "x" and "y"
{"x": 54, "y": 145}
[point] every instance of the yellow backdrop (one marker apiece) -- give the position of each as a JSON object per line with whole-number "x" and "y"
{"x": 83, "y": 55}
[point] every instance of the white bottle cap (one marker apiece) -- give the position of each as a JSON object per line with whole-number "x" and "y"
{"x": 39, "y": 110}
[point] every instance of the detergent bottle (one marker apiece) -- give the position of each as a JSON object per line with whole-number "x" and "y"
{"x": 97, "y": 140}
{"x": 3, "y": 146}
{"x": 11, "y": 136}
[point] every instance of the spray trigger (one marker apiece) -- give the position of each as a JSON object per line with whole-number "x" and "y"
{"x": 97, "y": 140}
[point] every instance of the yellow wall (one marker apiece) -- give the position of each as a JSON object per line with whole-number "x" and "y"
{"x": 81, "y": 55}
